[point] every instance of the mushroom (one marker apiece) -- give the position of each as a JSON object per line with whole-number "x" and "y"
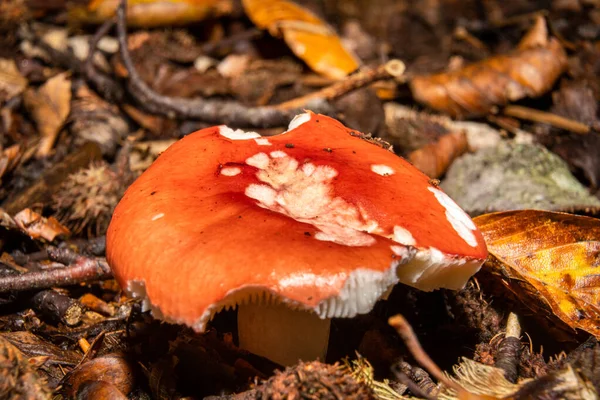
{"x": 294, "y": 229}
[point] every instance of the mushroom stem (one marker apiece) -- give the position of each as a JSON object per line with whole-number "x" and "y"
{"x": 281, "y": 334}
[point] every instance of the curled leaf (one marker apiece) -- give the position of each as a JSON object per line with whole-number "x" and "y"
{"x": 474, "y": 90}
{"x": 310, "y": 38}
{"x": 36, "y": 226}
{"x": 434, "y": 158}
{"x": 550, "y": 261}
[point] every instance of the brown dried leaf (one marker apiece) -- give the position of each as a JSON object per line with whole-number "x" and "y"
{"x": 36, "y": 226}
{"x": 310, "y": 38}
{"x": 152, "y": 13}
{"x": 49, "y": 107}
{"x": 33, "y": 346}
{"x": 12, "y": 83}
{"x": 9, "y": 159}
{"x": 550, "y": 261}
{"x": 93, "y": 119}
{"x": 114, "y": 368}
{"x": 434, "y": 159}
{"x": 476, "y": 88}
{"x": 18, "y": 380}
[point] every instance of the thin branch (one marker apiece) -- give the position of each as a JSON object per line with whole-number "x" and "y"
{"x": 392, "y": 69}
{"x": 399, "y": 323}
{"x": 102, "y": 83}
{"x": 82, "y": 269}
{"x": 557, "y": 121}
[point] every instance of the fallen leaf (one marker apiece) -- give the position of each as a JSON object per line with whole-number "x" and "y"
{"x": 152, "y": 13}
{"x": 310, "y": 38}
{"x": 9, "y": 159}
{"x": 435, "y": 158}
{"x": 12, "y": 83}
{"x": 93, "y": 119}
{"x": 18, "y": 378}
{"x": 549, "y": 260}
{"x": 475, "y": 89}
{"x": 36, "y": 226}
{"x": 114, "y": 368}
{"x": 49, "y": 107}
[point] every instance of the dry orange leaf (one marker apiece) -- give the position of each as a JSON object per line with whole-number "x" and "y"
{"x": 474, "y": 90}
{"x": 36, "y": 226}
{"x": 152, "y": 13}
{"x": 435, "y": 158}
{"x": 549, "y": 259}
{"x": 310, "y": 38}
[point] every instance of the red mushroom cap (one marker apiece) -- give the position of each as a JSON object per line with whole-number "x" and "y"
{"x": 316, "y": 217}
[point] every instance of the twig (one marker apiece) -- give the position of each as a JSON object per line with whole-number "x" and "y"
{"x": 507, "y": 357}
{"x": 57, "y": 306}
{"x": 557, "y": 121}
{"x": 102, "y": 83}
{"x": 399, "y": 323}
{"x": 391, "y": 69}
{"x": 82, "y": 269}
{"x": 404, "y": 379}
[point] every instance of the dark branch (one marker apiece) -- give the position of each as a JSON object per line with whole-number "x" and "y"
{"x": 82, "y": 269}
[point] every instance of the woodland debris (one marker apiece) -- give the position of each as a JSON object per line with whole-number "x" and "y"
{"x": 50, "y": 105}
{"x": 82, "y": 269}
{"x": 12, "y": 83}
{"x": 57, "y": 306}
{"x": 115, "y": 368}
{"x": 18, "y": 379}
{"x": 37, "y": 227}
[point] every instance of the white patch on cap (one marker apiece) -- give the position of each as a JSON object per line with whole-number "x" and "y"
{"x": 460, "y": 221}
{"x": 308, "y": 169}
{"x": 158, "y": 216}
{"x": 266, "y": 195}
{"x": 278, "y": 154}
{"x": 304, "y": 193}
{"x": 298, "y": 120}
{"x": 259, "y": 160}
{"x": 262, "y": 142}
{"x": 403, "y": 236}
{"x": 231, "y": 171}
{"x": 238, "y": 134}
{"x": 382, "y": 170}
{"x": 350, "y": 237}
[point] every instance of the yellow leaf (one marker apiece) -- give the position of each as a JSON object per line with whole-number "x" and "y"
{"x": 310, "y": 38}
{"x": 152, "y": 13}
{"x": 551, "y": 260}
{"x": 49, "y": 106}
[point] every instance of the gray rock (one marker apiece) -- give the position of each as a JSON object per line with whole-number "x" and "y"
{"x": 514, "y": 176}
